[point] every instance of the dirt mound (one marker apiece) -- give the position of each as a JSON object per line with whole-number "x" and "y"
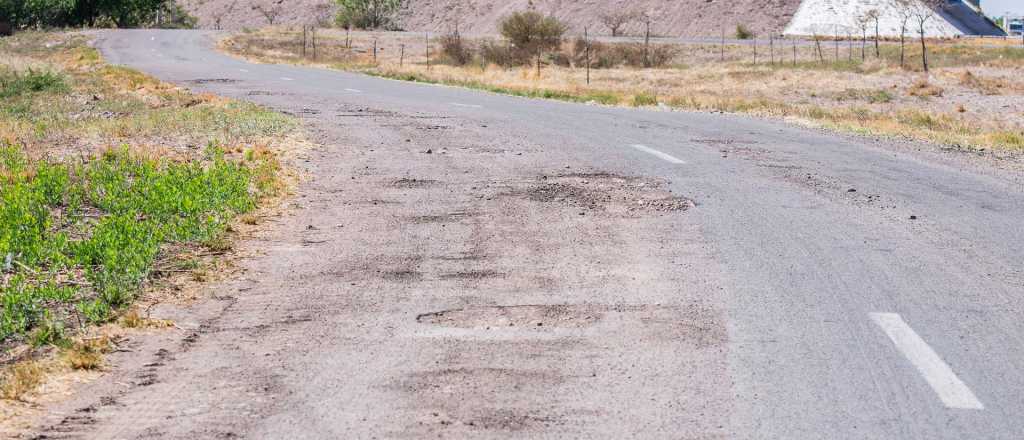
{"x": 671, "y": 17}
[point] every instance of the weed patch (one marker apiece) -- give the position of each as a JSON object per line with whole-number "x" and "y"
{"x": 115, "y": 213}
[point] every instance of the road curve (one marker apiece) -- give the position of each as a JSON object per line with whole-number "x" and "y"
{"x": 820, "y": 286}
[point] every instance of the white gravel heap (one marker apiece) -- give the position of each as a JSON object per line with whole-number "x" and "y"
{"x": 831, "y": 17}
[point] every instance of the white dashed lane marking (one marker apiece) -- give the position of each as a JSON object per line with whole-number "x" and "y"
{"x": 663, "y": 156}
{"x": 952, "y": 391}
{"x": 467, "y": 105}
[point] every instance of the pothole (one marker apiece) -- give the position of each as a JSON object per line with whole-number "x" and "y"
{"x": 607, "y": 193}
{"x": 451, "y": 217}
{"x": 476, "y": 380}
{"x": 695, "y": 324}
{"x": 531, "y": 316}
{"x": 408, "y": 183}
{"x": 401, "y": 275}
{"x": 472, "y": 275}
{"x": 212, "y": 81}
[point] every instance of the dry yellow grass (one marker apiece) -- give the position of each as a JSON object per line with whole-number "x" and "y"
{"x": 21, "y": 378}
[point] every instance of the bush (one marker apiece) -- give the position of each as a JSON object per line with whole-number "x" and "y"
{"x": 493, "y": 52}
{"x": 644, "y": 100}
{"x": 531, "y": 33}
{"x": 456, "y": 51}
{"x": 367, "y": 14}
{"x": 743, "y": 33}
{"x": 607, "y": 56}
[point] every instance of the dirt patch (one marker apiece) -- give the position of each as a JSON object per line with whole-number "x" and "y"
{"x": 571, "y": 316}
{"x": 606, "y": 193}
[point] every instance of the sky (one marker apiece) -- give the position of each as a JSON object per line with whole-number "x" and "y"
{"x": 999, "y": 7}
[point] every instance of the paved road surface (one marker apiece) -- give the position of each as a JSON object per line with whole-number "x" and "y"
{"x": 541, "y": 274}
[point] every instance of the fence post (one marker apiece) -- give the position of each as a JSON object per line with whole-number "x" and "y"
{"x": 722, "y": 46}
{"x": 428, "y": 50}
{"x": 303, "y": 41}
{"x": 771, "y": 49}
{"x": 755, "y": 49}
{"x": 374, "y": 51}
{"x": 586, "y": 41}
{"x": 794, "y": 52}
{"x": 315, "y": 53}
{"x": 837, "y": 43}
{"x": 401, "y": 57}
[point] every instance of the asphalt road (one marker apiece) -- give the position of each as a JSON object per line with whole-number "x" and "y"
{"x": 515, "y": 283}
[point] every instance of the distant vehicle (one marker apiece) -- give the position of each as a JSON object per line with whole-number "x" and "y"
{"x": 5, "y": 29}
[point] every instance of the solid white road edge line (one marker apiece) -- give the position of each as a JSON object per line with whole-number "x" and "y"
{"x": 285, "y": 78}
{"x": 666, "y": 157}
{"x": 467, "y": 105}
{"x": 951, "y": 390}
{"x": 354, "y": 90}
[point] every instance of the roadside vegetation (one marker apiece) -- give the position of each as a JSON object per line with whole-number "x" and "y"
{"x": 26, "y": 14}
{"x": 108, "y": 180}
{"x": 972, "y": 97}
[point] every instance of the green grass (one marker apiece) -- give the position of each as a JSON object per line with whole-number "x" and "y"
{"x": 18, "y": 83}
{"x": 84, "y": 236}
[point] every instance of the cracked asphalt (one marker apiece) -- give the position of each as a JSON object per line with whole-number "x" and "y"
{"x": 460, "y": 264}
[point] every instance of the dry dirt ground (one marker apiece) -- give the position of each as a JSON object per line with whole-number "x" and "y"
{"x": 467, "y": 287}
{"x": 671, "y": 18}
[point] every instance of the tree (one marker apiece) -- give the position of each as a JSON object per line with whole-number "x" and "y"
{"x": 221, "y": 12}
{"x": 269, "y": 9}
{"x": 863, "y": 22}
{"x": 74, "y": 13}
{"x": 905, "y": 13}
{"x": 531, "y": 33}
{"x": 923, "y": 11}
{"x": 616, "y": 20}
{"x": 322, "y": 14}
{"x": 873, "y": 16}
{"x": 367, "y": 14}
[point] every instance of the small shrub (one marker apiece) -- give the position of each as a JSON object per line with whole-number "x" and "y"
{"x": 644, "y": 100}
{"x": 455, "y": 50}
{"x": 531, "y": 33}
{"x": 987, "y": 86}
{"x": 880, "y": 96}
{"x": 493, "y": 52}
{"x": 742, "y": 33}
{"x": 20, "y": 379}
{"x": 923, "y": 89}
{"x": 87, "y": 354}
{"x": 367, "y": 14}
{"x": 50, "y": 332}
